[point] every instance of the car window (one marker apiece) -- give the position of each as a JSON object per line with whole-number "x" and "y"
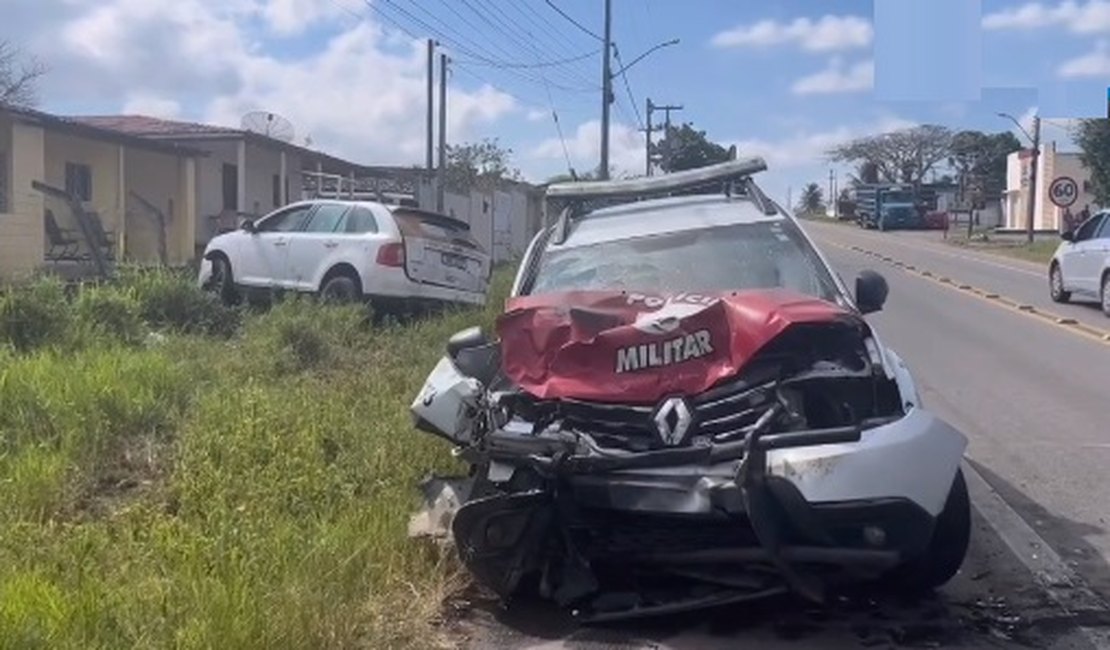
{"x": 290, "y": 220}
{"x": 1104, "y": 229}
{"x": 764, "y": 255}
{"x": 326, "y": 217}
{"x": 359, "y": 220}
{"x": 1088, "y": 229}
{"x": 414, "y": 224}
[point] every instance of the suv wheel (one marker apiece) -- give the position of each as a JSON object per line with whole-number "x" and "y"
{"x": 1056, "y": 285}
{"x": 947, "y": 547}
{"x": 1105, "y": 293}
{"x": 341, "y": 289}
{"x": 222, "y": 281}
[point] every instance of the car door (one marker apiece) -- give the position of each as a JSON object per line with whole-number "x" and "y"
{"x": 316, "y": 245}
{"x": 1099, "y": 253}
{"x": 263, "y": 254}
{"x": 441, "y": 252}
{"x": 1076, "y": 264}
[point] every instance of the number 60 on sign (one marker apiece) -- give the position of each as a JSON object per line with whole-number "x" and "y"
{"x": 1063, "y": 191}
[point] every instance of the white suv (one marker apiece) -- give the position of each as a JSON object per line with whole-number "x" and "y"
{"x": 348, "y": 250}
{"x": 1080, "y": 268}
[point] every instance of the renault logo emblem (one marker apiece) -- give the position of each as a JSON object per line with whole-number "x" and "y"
{"x": 672, "y": 419}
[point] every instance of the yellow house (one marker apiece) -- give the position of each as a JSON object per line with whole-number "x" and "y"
{"x": 141, "y": 193}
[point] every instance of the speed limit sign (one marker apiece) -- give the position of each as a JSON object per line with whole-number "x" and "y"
{"x": 1063, "y": 191}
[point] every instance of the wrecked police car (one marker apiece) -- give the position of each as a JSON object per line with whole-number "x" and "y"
{"x": 684, "y": 407}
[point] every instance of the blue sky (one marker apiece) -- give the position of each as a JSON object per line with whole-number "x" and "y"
{"x": 784, "y": 79}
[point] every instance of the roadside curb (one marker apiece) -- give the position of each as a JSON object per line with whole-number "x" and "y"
{"x": 1052, "y": 573}
{"x": 1065, "y": 322}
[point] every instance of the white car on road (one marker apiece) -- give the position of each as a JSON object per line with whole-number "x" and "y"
{"x": 347, "y": 250}
{"x": 1080, "y": 269}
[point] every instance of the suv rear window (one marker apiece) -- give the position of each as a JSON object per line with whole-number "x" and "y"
{"x": 761, "y": 255}
{"x": 426, "y": 226}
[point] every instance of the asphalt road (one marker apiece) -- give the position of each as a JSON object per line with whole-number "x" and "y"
{"x": 1032, "y": 398}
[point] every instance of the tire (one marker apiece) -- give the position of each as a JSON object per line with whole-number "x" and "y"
{"x": 341, "y": 289}
{"x": 1056, "y": 285}
{"x": 223, "y": 281}
{"x": 946, "y": 550}
{"x": 1104, "y": 293}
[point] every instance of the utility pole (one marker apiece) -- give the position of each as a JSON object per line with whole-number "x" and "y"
{"x": 831, "y": 190}
{"x": 430, "y": 162}
{"x": 606, "y": 91}
{"x": 441, "y": 180}
{"x": 1033, "y": 178}
{"x": 648, "y": 130}
{"x": 664, "y": 157}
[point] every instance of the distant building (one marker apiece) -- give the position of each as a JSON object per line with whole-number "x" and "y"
{"x": 1051, "y": 164}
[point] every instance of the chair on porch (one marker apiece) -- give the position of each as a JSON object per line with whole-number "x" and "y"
{"x": 102, "y": 238}
{"x": 64, "y": 245}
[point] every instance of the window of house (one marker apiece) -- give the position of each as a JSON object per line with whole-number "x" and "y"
{"x": 276, "y": 190}
{"x": 79, "y": 181}
{"x": 231, "y": 186}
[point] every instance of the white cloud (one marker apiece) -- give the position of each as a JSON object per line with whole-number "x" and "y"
{"x": 810, "y": 147}
{"x": 837, "y": 79}
{"x": 626, "y": 148}
{"x": 143, "y": 104}
{"x": 288, "y": 17}
{"x": 537, "y": 114}
{"x": 1092, "y": 64}
{"x": 360, "y": 95}
{"x": 1079, "y": 17}
{"x": 827, "y": 33}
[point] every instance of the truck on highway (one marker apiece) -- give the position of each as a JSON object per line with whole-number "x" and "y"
{"x": 887, "y": 207}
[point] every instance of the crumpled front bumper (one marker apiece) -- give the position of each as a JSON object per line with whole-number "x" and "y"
{"x": 777, "y": 512}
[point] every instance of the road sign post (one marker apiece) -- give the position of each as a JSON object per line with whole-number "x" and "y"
{"x": 1063, "y": 192}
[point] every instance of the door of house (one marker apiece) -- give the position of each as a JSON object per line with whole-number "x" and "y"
{"x": 231, "y": 186}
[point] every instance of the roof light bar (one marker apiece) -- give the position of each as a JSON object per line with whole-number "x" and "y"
{"x": 722, "y": 172}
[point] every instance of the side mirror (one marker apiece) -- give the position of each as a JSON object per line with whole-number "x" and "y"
{"x": 471, "y": 337}
{"x": 871, "y": 291}
{"x": 1068, "y": 235}
{"x": 248, "y": 226}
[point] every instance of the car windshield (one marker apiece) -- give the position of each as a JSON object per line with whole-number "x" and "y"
{"x": 898, "y": 197}
{"x": 763, "y": 255}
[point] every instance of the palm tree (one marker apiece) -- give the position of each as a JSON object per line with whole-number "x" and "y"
{"x": 812, "y": 200}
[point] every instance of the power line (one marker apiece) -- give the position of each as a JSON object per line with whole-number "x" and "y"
{"x": 543, "y": 24}
{"x": 544, "y": 64}
{"x": 572, "y": 20}
{"x": 628, "y": 87}
{"x": 510, "y": 29}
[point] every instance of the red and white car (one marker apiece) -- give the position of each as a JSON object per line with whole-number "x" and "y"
{"x": 348, "y": 250}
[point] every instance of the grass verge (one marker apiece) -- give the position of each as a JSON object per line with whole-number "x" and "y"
{"x": 1040, "y": 251}
{"x": 177, "y": 474}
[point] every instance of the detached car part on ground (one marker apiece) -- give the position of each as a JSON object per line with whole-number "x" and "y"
{"x": 639, "y": 453}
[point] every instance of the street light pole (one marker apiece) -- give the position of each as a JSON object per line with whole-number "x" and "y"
{"x": 1035, "y": 138}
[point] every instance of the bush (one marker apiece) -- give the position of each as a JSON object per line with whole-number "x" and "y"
{"x": 170, "y": 300}
{"x": 34, "y": 316}
{"x": 300, "y": 334}
{"x": 109, "y": 312}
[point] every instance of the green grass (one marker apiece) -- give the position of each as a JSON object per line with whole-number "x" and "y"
{"x": 1040, "y": 251}
{"x": 213, "y": 478}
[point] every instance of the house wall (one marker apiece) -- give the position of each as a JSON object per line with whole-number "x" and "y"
{"x": 21, "y": 226}
{"x": 262, "y": 163}
{"x": 1050, "y": 165}
{"x": 161, "y": 179}
{"x": 103, "y": 159}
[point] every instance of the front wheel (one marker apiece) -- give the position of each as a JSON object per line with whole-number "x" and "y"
{"x": 947, "y": 547}
{"x": 1056, "y": 285}
{"x": 1104, "y": 293}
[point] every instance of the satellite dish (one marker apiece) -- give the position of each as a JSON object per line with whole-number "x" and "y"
{"x": 270, "y": 125}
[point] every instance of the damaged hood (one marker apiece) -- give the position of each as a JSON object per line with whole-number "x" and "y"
{"x": 639, "y": 348}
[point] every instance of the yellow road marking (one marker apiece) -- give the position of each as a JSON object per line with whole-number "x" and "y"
{"x": 1069, "y": 324}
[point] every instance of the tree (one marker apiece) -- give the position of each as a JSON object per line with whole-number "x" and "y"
{"x": 19, "y": 76}
{"x": 980, "y": 160}
{"x": 812, "y": 200}
{"x": 684, "y": 147}
{"x": 478, "y": 166}
{"x": 1093, "y": 138}
{"x": 904, "y": 156}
